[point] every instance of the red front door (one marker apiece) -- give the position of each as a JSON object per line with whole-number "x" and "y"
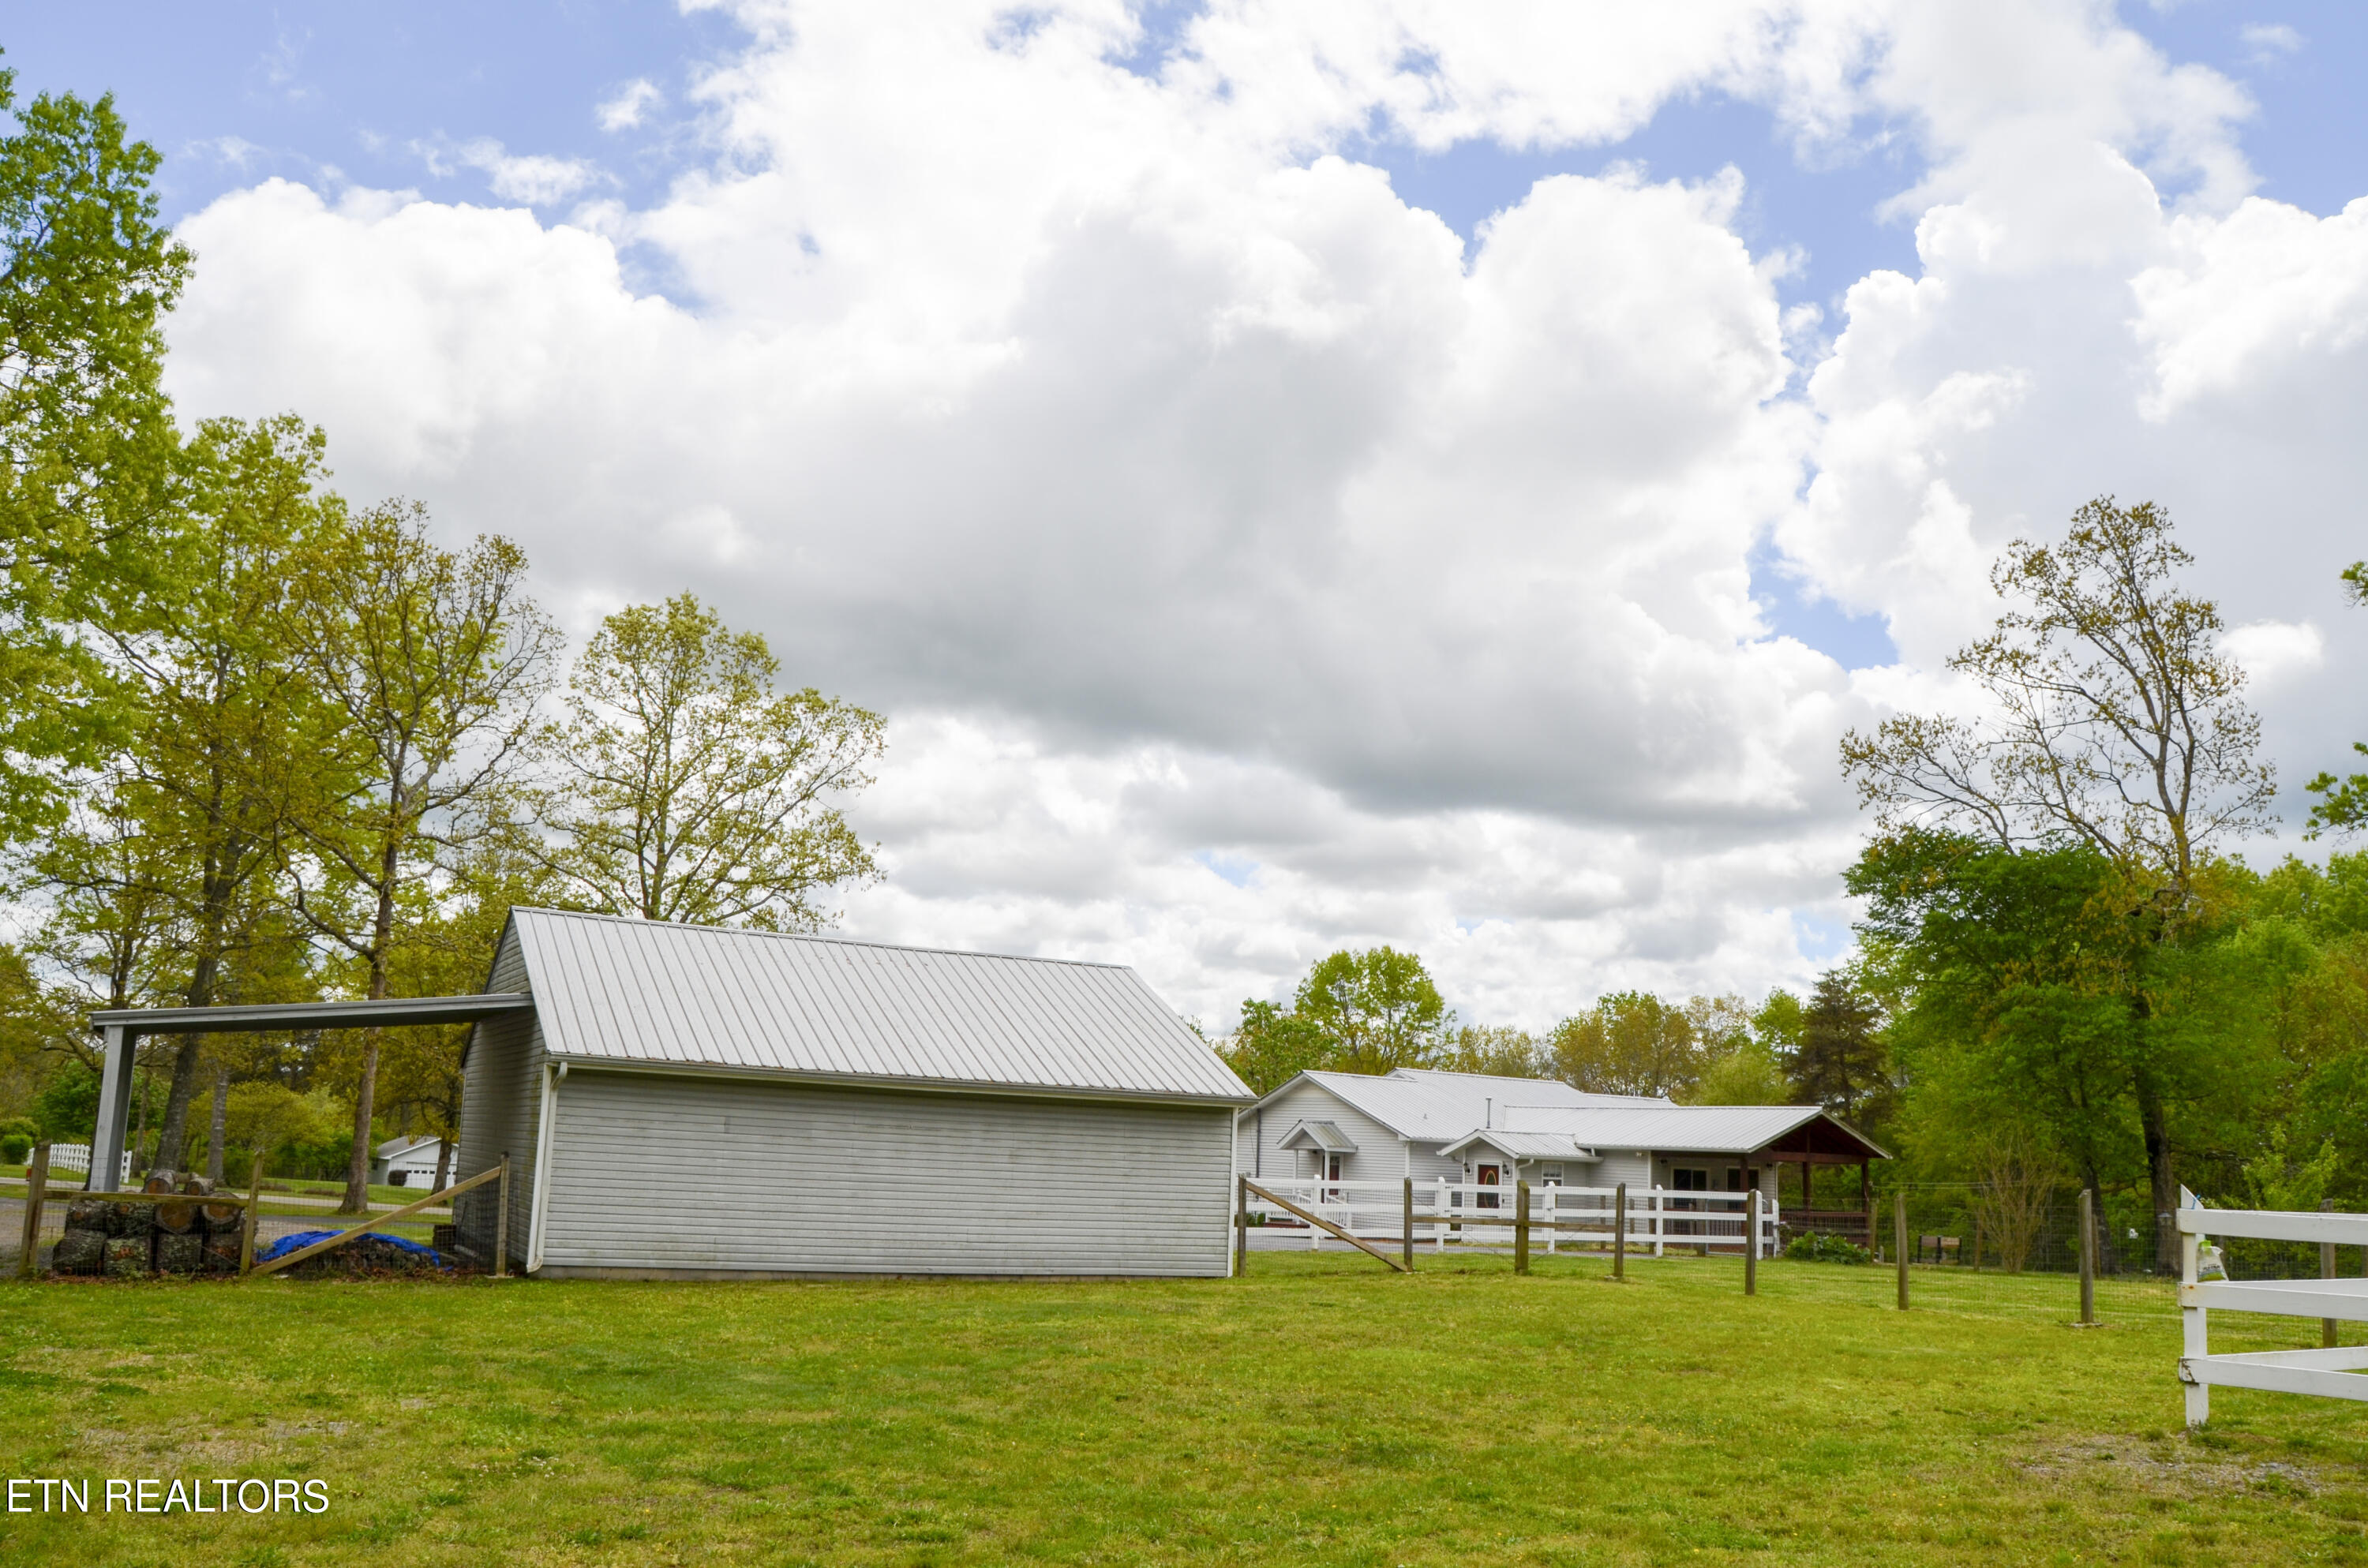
{"x": 1490, "y": 1176}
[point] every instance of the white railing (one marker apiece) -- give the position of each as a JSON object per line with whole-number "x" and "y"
{"x": 77, "y": 1157}
{"x": 2330, "y": 1372}
{"x": 1659, "y": 1221}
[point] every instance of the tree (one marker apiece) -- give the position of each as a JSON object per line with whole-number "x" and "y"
{"x": 691, "y": 791}
{"x": 1498, "y": 1049}
{"x": 1377, "y": 1010}
{"x": 87, "y": 271}
{"x": 428, "y": 663}
{"x": 2343, "y": 804}
{"x": 217, "y": 696}
{"x": 1630, "y": 1042}
{"x": 1272, "y": 1046}
{"x": 1841, "y": 1060}
{"x": 2114, "y": 723}
{"x": 1748, "y": 1073}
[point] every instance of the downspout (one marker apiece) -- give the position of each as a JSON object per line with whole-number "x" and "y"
{"x": 552, "y": 1076}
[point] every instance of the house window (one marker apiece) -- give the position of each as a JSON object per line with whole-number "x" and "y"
{"x": 1690, "y": 1180}
{"x": 1551, "y": 1175}
{"x": 1735, "y": 1179}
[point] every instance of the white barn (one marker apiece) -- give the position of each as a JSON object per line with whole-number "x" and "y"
{"x": 688, "y": 1101}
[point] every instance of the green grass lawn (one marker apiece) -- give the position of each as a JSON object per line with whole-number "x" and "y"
{"x": 1320, "y": 1410}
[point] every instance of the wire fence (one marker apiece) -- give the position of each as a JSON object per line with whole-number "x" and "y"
{"x": 1957, "y": 1222}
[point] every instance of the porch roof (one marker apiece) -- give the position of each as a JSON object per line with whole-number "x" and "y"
{"x": 1323, "y": 1137}
{"x": 1522, "y": 1145}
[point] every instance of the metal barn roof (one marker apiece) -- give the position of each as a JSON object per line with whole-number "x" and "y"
{"x": 1423, "y": 1104}
{"x": 1693, "y": 1129}
{"x": 616, "y": 990}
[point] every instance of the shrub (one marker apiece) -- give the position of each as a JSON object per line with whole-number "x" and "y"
{"x": 1811, "y": 1247}
{"x": 14, "y": 1148}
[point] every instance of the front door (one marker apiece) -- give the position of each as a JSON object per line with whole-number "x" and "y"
{"x": 1332, "y": 1173}
{"x": 1490, "y": 1176}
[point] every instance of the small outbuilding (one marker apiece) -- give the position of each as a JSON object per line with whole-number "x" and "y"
{"x": 408, "y": 1162}
{"x": 690, "y": 1101}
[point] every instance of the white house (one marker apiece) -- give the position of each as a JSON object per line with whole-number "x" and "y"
{"x": 1468, "y": 1127}
{"x": 408, "y": 1162}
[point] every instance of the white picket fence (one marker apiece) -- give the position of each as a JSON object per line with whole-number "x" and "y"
{"x": 77, "y": 1157}
{"x": 1659, "y": 1221}
{"x": 2332, "y": 1372}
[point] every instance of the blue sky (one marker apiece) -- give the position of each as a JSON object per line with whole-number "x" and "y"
{"x": 384, "y": 95}
{"x": 1219, "y": 628}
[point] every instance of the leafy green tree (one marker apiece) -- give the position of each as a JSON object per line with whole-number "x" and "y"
{"x": 220, "y": 703}
{"x": 87, "y": 271}
{"x": 2115, "y": 722}
{"x": 1377, "y": 1010}
{"x": 1746, "y": 1073}
{"x": 1630, "y": 1042}
{"x": 427, "y": 663}
{"x": 1841, "y": 1060}
{"x": 1499, "y": 1050}
{"x": 2343, "y": 804}
{"x": 690, "y": 790}
{"x": 1272, "y": 1045}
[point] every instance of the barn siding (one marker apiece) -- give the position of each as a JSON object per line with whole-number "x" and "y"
{"x": 652, "y": 1171}
{"x": 499, "y": 1095}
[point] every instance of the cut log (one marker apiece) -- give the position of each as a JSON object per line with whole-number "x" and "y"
{"x": 221, "y": 1219}
{"x": 220, "y": 1252}
{"x": 81, "y": 1250}
{"x": 175, "y": 1217}
{"x": 131, "y": 1220}
{"x": 181, "y": 1254}
{"x": 160, "y": 1182}
{"x": 196, "y": 1186}
{"x": 127, "y": 1257}
{"x": 90, "y": 1214}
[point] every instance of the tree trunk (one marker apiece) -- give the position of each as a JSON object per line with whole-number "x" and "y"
{"x": 2154, "y": 1118}
{"x": 382, "y": 935}
{"x": 172, "y": 1139}
{"x": 443, "y": 1163}
{"x": 357, "y": 1200}
{"x": 219, "y": 1127}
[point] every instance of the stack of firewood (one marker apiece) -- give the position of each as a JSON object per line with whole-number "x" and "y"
{"x": 180, "y": 1232}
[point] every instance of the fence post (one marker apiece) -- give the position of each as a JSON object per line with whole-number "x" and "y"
{"x": 1241, "y": 1227}
{"x": 1620, "y": 1231}
{"x": 246, "y": 1220}
{"x": 502, "y": 1223}
{"x": 1899, "y": 1242}
{"x": 2326, "y": 1271}
{"x": 1751, "y": 1246}
{"x": 1406, "y": 1226}
{"x": 1520, "y": 1227}
{"x": 1654, "y": 1207}
{"x": 2088, "y": 1256}
{"x": 36, "y": 1187}
{"x": 2194, "y": 1332}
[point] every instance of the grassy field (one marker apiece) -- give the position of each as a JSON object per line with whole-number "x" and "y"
{"x": 1320, "y": 1410}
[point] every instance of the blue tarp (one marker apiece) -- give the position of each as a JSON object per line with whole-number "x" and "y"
{"x": 300, "y": 1240}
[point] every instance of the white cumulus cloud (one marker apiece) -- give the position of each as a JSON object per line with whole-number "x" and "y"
{"x": 1248, "y": 565}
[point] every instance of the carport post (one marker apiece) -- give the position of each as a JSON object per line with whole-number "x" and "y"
{"x": 114, "y": 1109}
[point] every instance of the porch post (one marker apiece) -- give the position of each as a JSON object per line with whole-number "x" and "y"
{"x": 114, "y": 1109}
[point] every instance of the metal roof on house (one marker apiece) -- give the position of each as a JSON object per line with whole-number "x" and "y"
{"x": 1426, "y": 1105}
{"x": 1693, "y": 1129}
{"x": 1523, "y": 1145}
{"x": 607, "y": 989}
{"x": 1325, "y": 1136}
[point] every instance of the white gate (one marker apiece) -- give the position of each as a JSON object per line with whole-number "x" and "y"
{"x": 2329, "y": 1373}
{"x": 1468, "y": 1213}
